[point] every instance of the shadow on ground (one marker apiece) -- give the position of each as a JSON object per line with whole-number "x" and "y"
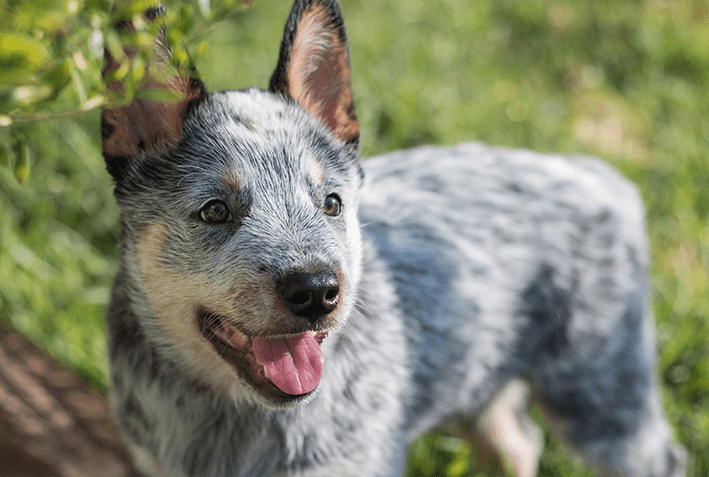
{"x": 51, "y": 422}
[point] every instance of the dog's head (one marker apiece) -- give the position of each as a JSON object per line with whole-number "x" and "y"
{"x": 239, "y": 211}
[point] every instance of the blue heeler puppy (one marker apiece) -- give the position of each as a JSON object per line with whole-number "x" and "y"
{"x": 284, "y": 309}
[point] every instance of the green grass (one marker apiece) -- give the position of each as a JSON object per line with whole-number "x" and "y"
{"x": 626, "y": 81}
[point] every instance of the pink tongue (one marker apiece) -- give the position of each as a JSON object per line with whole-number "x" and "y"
{"x": 294, "y": 363}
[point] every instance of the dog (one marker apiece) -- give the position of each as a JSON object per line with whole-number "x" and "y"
{"x": 284, "y": 308}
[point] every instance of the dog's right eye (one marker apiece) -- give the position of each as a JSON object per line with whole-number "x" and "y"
{"x": 215, "y": 212}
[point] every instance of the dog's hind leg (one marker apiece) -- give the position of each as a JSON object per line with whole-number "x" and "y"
{"x": 615, "y": 437}
{"x": 616, "y": 441}
{"x": 502, "y": 435}
{"x": 600, "y": 395}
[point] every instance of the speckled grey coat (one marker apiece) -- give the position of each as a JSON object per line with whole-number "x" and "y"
{"x": 458, "y": 271}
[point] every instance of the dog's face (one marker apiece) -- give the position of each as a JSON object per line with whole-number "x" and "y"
{"x": 240, "y": 216}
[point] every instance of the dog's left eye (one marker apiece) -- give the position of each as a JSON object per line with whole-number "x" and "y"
{"x": 215, "y": 212}
{"x": 333, "y": 205}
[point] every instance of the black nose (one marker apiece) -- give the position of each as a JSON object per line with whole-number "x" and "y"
{"x": 310, "y": 295}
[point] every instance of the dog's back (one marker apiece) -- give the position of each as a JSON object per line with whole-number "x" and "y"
{"x": 257, "y": 328}
{"x": 513, "y": 264}
{"x": 502, "y": 255}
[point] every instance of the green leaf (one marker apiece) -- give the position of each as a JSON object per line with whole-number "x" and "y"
{"x": 27, "y": 95}
{"x": 93, "y": 103}
{"x": 46, "y": 16}
{"x": 113, "y": 44}
{"x": 14, "y": 46}
{"x": 14, "y": 74}
{"x": 58, "y": 76}
{"x": 138, "y": 68}
{"x": 4, "y": 156}
{"x": 22, "y": 162}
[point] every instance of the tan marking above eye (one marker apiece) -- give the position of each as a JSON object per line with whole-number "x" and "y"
{"x": 231, "y": 179}
{"x": 315, "y": 171}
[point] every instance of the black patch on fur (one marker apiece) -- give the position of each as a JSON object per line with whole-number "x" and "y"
{"x": 195, "y": 84}
{"x": 548, "y": 307}
{"x": 513, "y": 187}
{"x": 604, "y": 415}
{"x": 609, "y": 400}
{"x": 154, "y": 364}
{"x": 672, "y": 462}
{"x": 590, "y": 423}
{"x": 133, "y": 417}
{"x": 433, "y": 183}
{"x": 124, "y": 331}
{"x": 116, "y": 165}
{"x": 106, "y": 128}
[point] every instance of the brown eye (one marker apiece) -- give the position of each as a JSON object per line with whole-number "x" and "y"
{"x": 215, "y": 212}
{"x": 333, "y": 205}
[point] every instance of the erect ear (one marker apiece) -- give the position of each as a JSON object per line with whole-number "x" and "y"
{"x": 314, "y": 66}
{"x": 147, "y": 126}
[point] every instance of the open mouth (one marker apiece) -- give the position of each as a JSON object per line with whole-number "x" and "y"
{"x": 283, "y": 368}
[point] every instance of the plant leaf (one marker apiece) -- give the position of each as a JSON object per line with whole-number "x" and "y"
{"x": 4, "y": 156}
{"x": 22, "y": 163}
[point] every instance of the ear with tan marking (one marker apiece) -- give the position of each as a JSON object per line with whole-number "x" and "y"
{"x": 147, "y": 126}
{"x": 314, "y": 66}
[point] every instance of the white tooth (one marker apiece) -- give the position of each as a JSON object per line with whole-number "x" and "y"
{"x": 222, "y": 334}
{"x": 237, "y": 339}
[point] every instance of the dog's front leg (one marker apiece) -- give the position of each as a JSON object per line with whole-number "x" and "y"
{"x": 503, "y": 436}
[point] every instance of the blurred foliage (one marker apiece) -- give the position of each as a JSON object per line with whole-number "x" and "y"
{"x": 625, "y": 81}
{"x": 52, "y": 56}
